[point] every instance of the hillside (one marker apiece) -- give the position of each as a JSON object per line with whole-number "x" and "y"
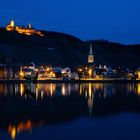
{"x": 54, "y": 48}
{"x": 116, "y": 54}
{"x": 62, "y": 49}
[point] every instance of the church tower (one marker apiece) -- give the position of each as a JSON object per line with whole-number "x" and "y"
{"x": 12, "y": 23}
{"x": 90, "y": 56}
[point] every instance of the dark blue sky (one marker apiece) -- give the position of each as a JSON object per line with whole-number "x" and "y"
{"x": 116, "y": 20}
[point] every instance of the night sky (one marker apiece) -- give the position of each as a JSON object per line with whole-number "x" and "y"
{"x": 112, "y": 20}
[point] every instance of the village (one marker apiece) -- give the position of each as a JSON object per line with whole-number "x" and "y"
{"x": 89, "y": 71}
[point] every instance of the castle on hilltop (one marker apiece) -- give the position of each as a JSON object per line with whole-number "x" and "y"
{"x": 22, "y": 30}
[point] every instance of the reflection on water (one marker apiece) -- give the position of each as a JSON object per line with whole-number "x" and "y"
{"x": 22, "y": 126}
{"x": 26, "y": 105}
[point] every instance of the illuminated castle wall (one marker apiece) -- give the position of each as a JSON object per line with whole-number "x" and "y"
{"x": 12, "y": 23}
{"x": 10, "y": 27}
{"x": 22, "y": 30}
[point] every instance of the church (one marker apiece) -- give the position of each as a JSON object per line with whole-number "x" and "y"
{"x": 88, "y": 70}
{"x": 90, "y": 56}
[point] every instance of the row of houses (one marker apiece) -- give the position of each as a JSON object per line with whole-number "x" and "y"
{"x": 32, "y": 71}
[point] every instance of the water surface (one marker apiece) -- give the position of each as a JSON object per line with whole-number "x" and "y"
{"x": 70, "y": 111}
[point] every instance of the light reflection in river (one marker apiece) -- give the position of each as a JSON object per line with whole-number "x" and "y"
{"x": 93, "y": 93}
{"x": 87, "y": 89}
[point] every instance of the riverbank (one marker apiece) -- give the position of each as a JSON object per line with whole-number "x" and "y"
{"x": 118, "y": 80}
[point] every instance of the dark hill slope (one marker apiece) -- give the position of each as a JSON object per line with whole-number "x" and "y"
{"x": 116, "y": 54}
{"x": 54, "y": 48}
{"x": 62, "y": 49}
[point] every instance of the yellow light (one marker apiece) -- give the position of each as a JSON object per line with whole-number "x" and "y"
{"x": 90, "y": 72}
{"x": 90, "y": 90}
{"x": 12, "y": 24}
{"x": 53, "y": 75}
{"x": 80, "y": 89}
{"x": 138, "y": 89}
{"x": 63, "y": 90}
{"x": 21, "y": 74}
{"x": 21, "y": 89}
{"x": 48, "y": 69}
{"x": 51, "y": 89}
{"x": 12, "y": 131}
{"x": 138, "y": 74}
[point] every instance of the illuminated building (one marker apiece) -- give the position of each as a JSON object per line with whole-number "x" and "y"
{"x": 22, "y": 30}
{"x": 10, "y": 27}
{"x": 88, "y": 70}
{"x": 90, "y": 56}
{"x": 12, "y": 23}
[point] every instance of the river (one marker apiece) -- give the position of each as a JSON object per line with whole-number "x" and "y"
{"x": 69, "y": 111}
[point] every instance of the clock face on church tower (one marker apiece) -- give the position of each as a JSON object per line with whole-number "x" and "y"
{"x": 90, "y": 59}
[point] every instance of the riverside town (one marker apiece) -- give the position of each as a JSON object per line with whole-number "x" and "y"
{"x": 69, "y": 70}
{"x": 86, "y": 72}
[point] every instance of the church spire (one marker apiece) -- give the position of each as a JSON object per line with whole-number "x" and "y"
{"x": 90, "y": 51}
{"x": 90, "y": 56}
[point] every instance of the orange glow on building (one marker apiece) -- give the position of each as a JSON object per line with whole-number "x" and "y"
{"x": 90, "y": 72}
{"x": 22, "y": 30}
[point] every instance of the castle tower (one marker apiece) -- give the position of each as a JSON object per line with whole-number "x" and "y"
{"x": 29, "y": 26}
{"x": 90, "y": 56}
{"x": 12, "y": 23}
